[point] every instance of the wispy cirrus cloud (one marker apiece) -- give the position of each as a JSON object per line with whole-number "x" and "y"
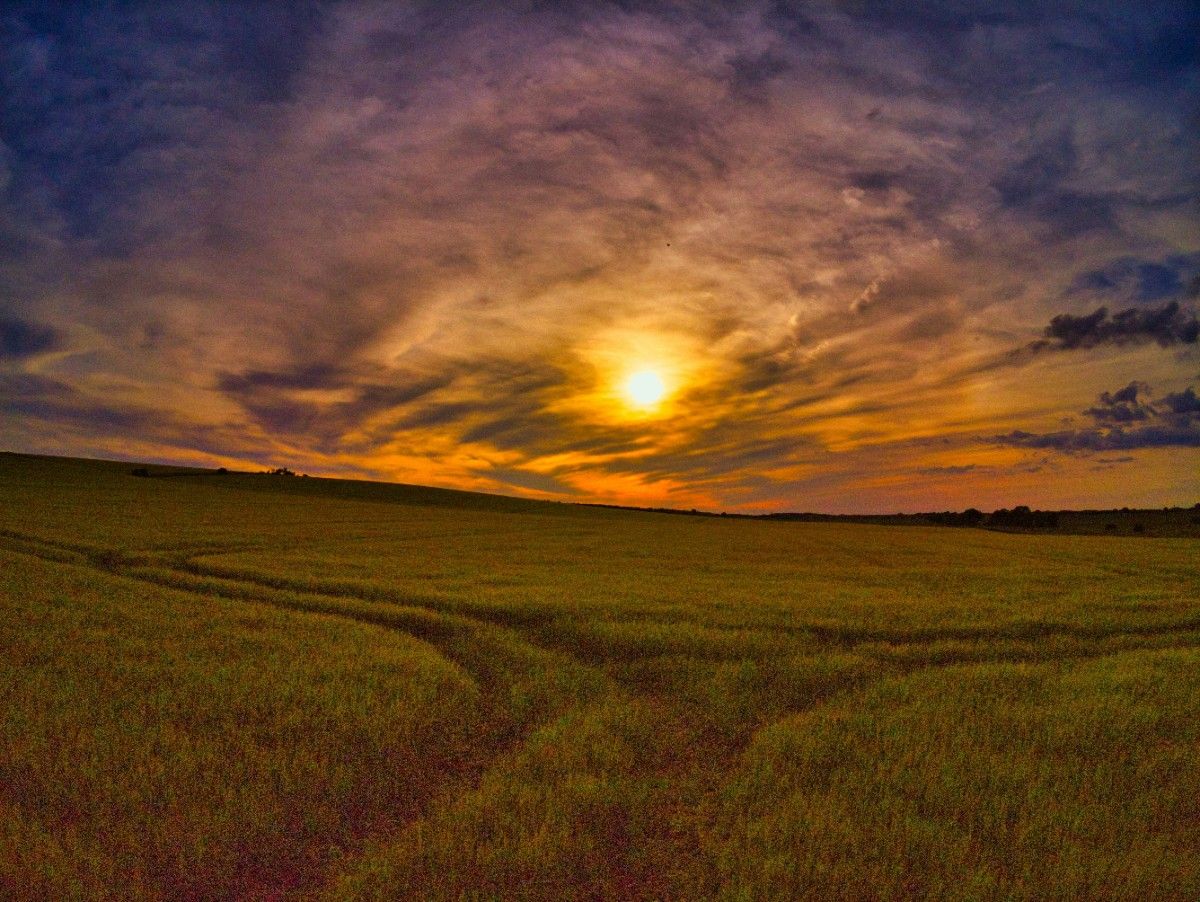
{"x": 421, "y": 242}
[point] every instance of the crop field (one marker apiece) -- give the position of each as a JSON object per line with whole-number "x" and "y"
{"x": 264, "y": 687}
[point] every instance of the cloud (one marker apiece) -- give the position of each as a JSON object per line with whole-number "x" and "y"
{"x": 538, "y": 482}
{"x": 1123, "y": 406}
{"x": 414, "y": 241}
{"x": 1167, "y": 325}
{"x": 38, "y": 397}
{"x": 19, "y": 338}
{"x": 951, "y": 470}
{"x": 1184, "y": 404}
{"x": 1088, "y": 440}
{"x": 1138, "y": 279}
{"x": 1038, "y": 185}
{"x": 1125, "y": 420}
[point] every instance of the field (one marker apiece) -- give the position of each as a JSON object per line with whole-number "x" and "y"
{"x": 246, "y": 686}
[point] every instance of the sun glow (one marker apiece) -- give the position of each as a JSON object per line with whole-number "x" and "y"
{"x": 645, "y": 388}
{"x": 638, "y": 374}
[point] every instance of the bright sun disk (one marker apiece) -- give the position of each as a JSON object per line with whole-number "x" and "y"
{"x": 645, "y": 388}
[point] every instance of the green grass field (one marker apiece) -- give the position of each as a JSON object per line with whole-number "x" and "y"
{"x": 264, "y": 687}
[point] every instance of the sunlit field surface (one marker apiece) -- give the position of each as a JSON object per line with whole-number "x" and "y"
{"x": 260, "y": 687}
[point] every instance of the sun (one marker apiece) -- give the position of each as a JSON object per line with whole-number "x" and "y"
{"x": 636, "y": 375}
{"x": 645, "y": 388}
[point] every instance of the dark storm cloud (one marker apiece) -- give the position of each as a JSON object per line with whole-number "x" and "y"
{"x": 1182, "y": 404}
{"x": 436, "y": 415}
{"x": 1140, "y": 280}
{"x": 42, "y": 398}
{"x": 1132, "y": 404}
{"x": 1123, "y": 406}
{"x": 951, "y": 470}
{"x": 276, "y": 399}
{"x": 318, "y": 376}
{"x": 1167, "y": 325}
{"x": 538, "y": 482}
{"x": 19, "y": 338}
{"x": 1088, "y": 440}
{"x": 752, "y": 72}
{"x": 526, "y": 426}
{"x": 1125, "y": 420}
{"x": 1036, "y": 185}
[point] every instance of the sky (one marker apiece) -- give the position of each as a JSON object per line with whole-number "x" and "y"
{"x": 869, "y": 256}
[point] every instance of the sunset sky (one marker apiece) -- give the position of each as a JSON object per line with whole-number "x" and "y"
{"x": 838, "y": 257}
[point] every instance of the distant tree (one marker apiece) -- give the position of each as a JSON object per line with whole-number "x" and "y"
{"x": 221, "y": 471}
{"x": 1021, "y": 517}
{"x": 969, "y": 517}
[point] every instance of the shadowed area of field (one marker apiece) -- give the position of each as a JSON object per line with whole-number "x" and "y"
{"x": 261, "y": 687}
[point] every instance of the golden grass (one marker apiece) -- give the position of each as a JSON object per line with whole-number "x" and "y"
{"x": 261, "y": 687}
